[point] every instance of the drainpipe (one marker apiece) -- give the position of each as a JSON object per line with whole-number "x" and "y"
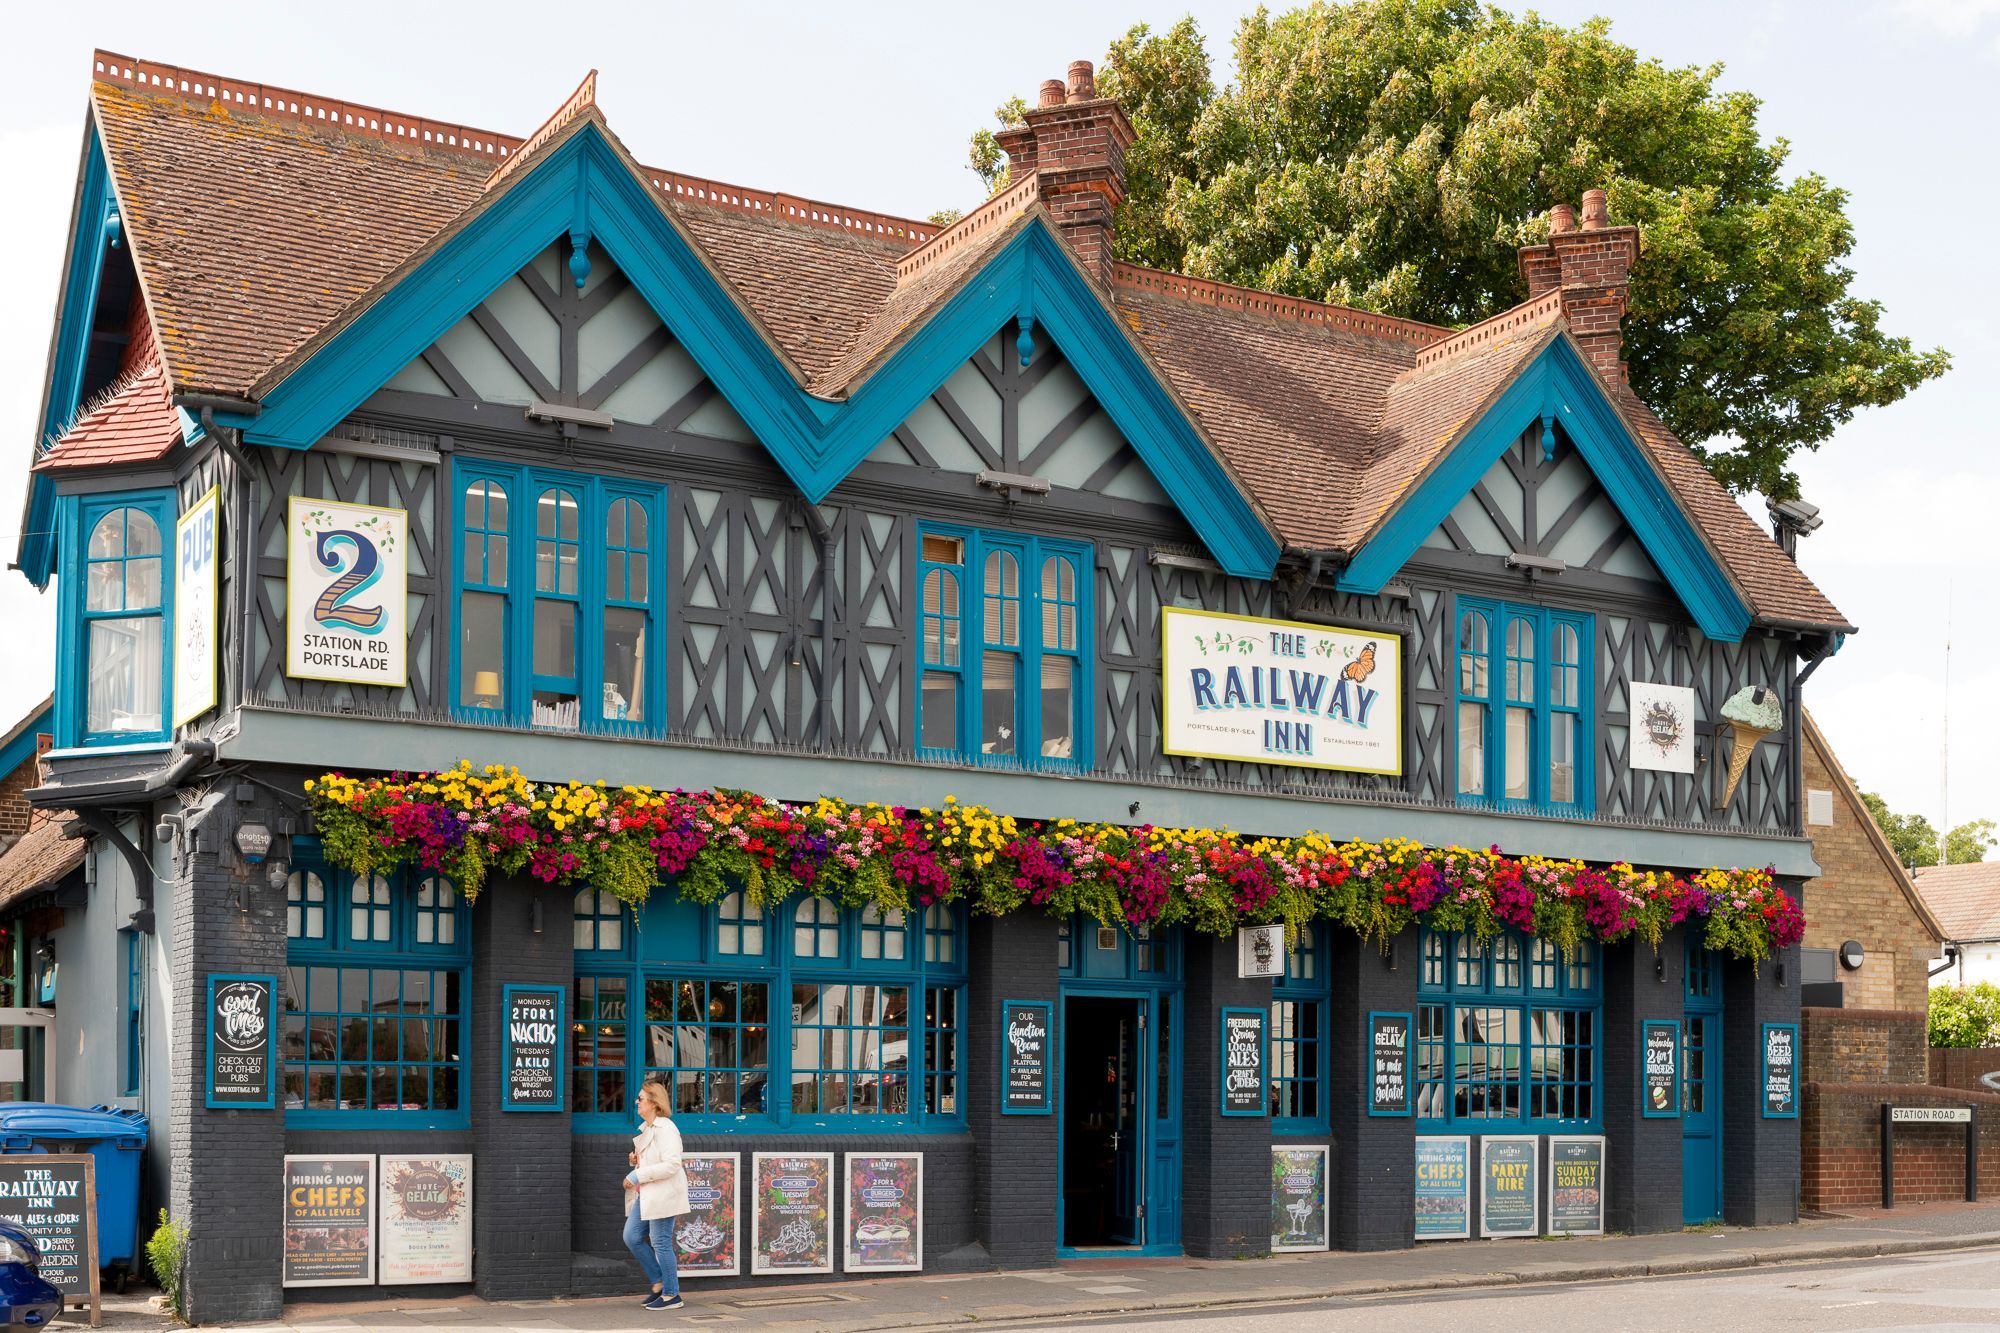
{"x": 1949, "y": 961}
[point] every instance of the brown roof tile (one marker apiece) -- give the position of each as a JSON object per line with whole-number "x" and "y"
{"x": 1965, "y": 898}
{"x": 40, "y": 857}
{"x": 133, "y": 421}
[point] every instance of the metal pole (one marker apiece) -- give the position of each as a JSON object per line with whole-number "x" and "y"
{"x": 1972, "y": 1155}
{"x": 1888, "y": 1158}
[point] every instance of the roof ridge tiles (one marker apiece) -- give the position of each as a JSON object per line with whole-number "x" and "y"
{"x": 1016, "y": 198}
{"x": 1294, "y": 308}
{"x": 579, "y": 101}
{"x": 1486, "y": 330}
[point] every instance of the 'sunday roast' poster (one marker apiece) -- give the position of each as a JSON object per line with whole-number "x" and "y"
{"x": 791, "y": 1220}
{"x": 885, "y": 1212}
{"x": 426, "y": 1221}
{"x": 329, "y": 1221}
{"x": 708, "y": 1241}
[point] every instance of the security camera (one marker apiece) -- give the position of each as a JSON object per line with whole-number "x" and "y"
{"x": 1799, "y": 514}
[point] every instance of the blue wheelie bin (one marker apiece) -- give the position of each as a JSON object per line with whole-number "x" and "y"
{"x": 116, "y": 1138}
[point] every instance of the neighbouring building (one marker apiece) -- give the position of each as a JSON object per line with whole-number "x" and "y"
{"x": 373, "y": 442}
{"x": 1966, "y": 901}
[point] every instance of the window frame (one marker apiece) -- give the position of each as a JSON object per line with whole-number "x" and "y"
{"x": 135, "y": 998}
{"x": 1499, "y": 618}
{"x": 80, "y": 515}
{"x": 1312, "y": 994}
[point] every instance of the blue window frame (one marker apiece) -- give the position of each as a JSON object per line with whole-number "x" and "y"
{"x": 1524, "y": 707}
{"x": 1508, "y": 1035}
{"x": 377, "y": 998}
{"x": 135, "y": 997}
{"x": 558, "y": 577}
{"x": 1004, "y": 623}
{"x": 114, "y": 617}
{"x": 1298, "y": 1046}
{"x": 599, "y": 919}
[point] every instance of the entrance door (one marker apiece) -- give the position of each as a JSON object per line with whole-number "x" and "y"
{"x": 1104, "y": 1148}
{"x": 1701, "y": 1089}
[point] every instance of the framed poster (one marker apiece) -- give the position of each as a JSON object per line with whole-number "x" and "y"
{"x": 329, "y": 1220}
{"x": 426, "y": 1219}
{"x": 1025, "y": 1085}
{"x": 54, "y": 1198}
{"x": 1781, "y": 1071}
{"x": 791, "y": 1214}
{"x": 1244, "y": 1057}
{"x": 1280, "y": 691}
{"x": 197, "y": 556}
{"x": 708, "y": 1242}
{"x": 1662, "y": 727}
{"x": 1660, "y": 1071}
{"x": 1389, "y": 1038}
{"x": 885, "y": 1213}
{"x": 1298, "y": 1198}
{"x": 346, "y": 585}
{"x": 531, "y": 1048}
{"x": 1576, "y": 1185}
{"x": 242, "y": 1045}
{"x": 1507, "y": 1202}
{"x": 1260, "y": 951}
{"x": 1444, "y": 1187}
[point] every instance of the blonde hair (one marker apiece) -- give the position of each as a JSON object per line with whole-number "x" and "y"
{"x": 656, "y": 1091}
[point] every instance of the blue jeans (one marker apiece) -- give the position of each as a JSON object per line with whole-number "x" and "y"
{"x": 652, "y": 1244}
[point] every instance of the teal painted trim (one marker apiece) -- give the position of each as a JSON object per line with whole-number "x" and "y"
{"x": 1558, "y": 381}
{"x": 817, "y": 441}
{"x": 1545, "y": 710}
{"x": 76, "y": 516}
{"x": 16, "y": 752}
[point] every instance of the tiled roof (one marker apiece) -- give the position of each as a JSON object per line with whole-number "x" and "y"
{"x": 259, "y": 233}
{"x": 1966, "y": 898}
{"x": 133, "y": 421}
{"x": 39, "y": 858}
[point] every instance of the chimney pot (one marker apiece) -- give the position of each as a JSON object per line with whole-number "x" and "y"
{"x": 1562, "y": 218}
{"x": 1596, "y": 216}
{"x": 1052, "y": 92}
{"x": 1082, "y": 81}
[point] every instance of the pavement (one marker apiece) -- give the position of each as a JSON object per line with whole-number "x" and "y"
{"x": 1077, "y": 1292}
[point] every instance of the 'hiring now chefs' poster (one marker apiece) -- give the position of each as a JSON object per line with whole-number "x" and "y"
{"x": 329, "y": 1221}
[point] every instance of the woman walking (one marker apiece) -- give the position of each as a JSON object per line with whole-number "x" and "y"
{"x": 656, "y": 1193}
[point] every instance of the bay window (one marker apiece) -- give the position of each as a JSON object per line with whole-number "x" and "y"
{"x": 1523, "y": 706}
{"x": 116, "y": 613}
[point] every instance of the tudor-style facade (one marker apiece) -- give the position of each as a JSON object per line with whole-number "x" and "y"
{"x": 709, "y": 488}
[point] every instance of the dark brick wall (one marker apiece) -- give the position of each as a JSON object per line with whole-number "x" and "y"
{"x": 1864, "y": 1046}
{"x": 1015, "y": 1167}
{"x": 1760, "y": 1172}
{"x": 1225, "y": 1160}
{"x": 1960, "y": 1068}
{"x": 1841, "y": 1145}
{"x": 1372, "y": 1177}
{"x": 1642, "y": 1173}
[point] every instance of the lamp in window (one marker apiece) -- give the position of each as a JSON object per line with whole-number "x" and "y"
{"x": 486, "y": 689}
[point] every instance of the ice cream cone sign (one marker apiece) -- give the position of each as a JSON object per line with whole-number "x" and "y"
{"x": 1752, "y": 713}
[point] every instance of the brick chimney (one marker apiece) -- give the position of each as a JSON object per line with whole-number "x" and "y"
{"x": 1589, "y": 265}
{"x": 1075, "y": 141}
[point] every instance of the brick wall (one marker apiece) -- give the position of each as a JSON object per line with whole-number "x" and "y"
{"x": 1841, "y": 1131}
{"x": 1013, "y": 1209}
{"x": 14, "y": 809}
{"x": 1643, "y": 1167}
{"x": 1225, "y": 1160}
{"x": 1863, "y": 1046}
{"x": 1372, "y": 1176}
{"x": 1952, "y": 1068}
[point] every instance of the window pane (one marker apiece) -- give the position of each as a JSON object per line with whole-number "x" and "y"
{"x": 1473, "y": 649}
{"x": 998, "y": 719}
{"x": 124, "y": 687}
{"x": 1520, "y": 727}
{"x": 1471, "y": 749}
{"x": 940, "y": 708}
{"x": 107, "y": 538}
{"x": 624, "y": 664}
{"x": 104, "y": 587}
{"x": 1058, "y": 707}
{"x": 142, "y": 535}
{"x": 941, "y": 618}
{"x": 555, "y": 638}
{"x": 1563, "y": 733}
{"x": 482, "y": 647}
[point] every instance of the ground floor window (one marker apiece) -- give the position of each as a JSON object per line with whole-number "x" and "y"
{"x": 374, "y": 1038}
{"x": 1495, "y": 1062}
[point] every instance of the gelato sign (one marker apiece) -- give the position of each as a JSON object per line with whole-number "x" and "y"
{"x": 346, "y": 576}
{"x": 1280, "y": 692}
{"x": 1662, "y": 727}
{"x": 426, "y": 1221}
{"x": 241, "y": 1039}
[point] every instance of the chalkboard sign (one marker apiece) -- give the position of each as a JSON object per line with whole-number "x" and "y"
{"x": 531, "y": 1059}
{"x": 54, "y": 1198}
{"x": 1389, "y": 1064}
{"x": 1024, "y": 1058}
{"x": 242, "y": 1042}
{"x": 1243, "y": 1061}
{"x": 1576, "y": 1185}
{"x": 1781, "y": 1071}
{"x": 1660, "y": 1089}
{"x": 1507, "y": 1186}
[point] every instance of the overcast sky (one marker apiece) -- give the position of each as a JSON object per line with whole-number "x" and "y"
{"x": 869, "y": 105}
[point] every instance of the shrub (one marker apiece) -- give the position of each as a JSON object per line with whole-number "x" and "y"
{"x": 166, "y": 1254}
{"x": 1965, "y": 1015}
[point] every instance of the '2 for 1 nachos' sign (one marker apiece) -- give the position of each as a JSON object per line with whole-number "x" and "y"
{"x": 346, "y": 578}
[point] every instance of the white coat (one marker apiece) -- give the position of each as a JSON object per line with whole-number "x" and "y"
{"x": 663, "y": 1186}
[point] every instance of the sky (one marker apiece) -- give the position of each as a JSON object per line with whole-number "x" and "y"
{"x": 870, "y": 104}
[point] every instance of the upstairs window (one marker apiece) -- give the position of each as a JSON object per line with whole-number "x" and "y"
{"x": 1523, "y": 706}
{"x": 118, "y": 609}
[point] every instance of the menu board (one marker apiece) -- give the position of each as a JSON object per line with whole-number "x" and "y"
{"x": 1781, "y": 1071}
{"x": 242, "y": 1042}
{"x": 1298, "y": 1198}
{"x": 885, "y": 1213}
{"x": 1507, "y": 1205}
{"x": 708, "y": 1241}
{"x": 1243, "y": 1061}
{"x": 1576, "y": 1185}
{"x": 1660, "y": 1091}
{"x": 1444, "y": 1187}
{"x": 54, "y": 1198}
{"x": 1024, "y": 1058}
{"x": 531, "y": 1058}
{"x": 426, "y": 1219}
{"x": 1389, "y": 1064}
{"x": 791, "y": 1219}
{"x": 329, "y": 1221}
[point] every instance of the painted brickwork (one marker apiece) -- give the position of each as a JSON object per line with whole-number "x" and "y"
{"x": 1842, "y": 1131}
{"x": 13, "y": 803}
{"x": 1012, "y": 958}
{"x": 1226, "y": 1160}
{"x": 1760, "y": 1156}
{"x": 1372, "y": 1177}
{"x": 1643, "y": 1167}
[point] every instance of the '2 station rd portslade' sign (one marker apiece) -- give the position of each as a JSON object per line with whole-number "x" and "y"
{"x": 532, "y": 1053}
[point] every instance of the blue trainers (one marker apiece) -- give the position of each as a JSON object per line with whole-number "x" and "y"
{"x": 659, "y": 1302}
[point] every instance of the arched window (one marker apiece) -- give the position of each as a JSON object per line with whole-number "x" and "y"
{"x": 437, "y": 910}
{"x": 940, "y": 934}
{"x": 1523, "y": 705}
{"x": 627, "y": 618}
{"x": 816, "y": 929}
{"x": 558, "y": 553}
{"x": 482, "y": 606}
{"x": 123, "y": 623}
{"x": 305, "y": 906}
{"x": 370, "y": 918}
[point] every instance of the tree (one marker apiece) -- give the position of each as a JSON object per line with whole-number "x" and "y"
{"x": 1394, "y": 154}
{"x": 1965, "y": 1015}
{"x": 1915, "y": 841}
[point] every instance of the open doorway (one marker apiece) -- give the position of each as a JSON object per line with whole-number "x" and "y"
{"x": 1103, "y": 1127}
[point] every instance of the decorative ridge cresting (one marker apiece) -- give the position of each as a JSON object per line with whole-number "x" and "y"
{"x": 1001, "y": 208}
{"x": 1293, "y": 308}
{"x": 788, "y": 207}
{"x": 579, "y": 101}
{"x": 1486, "y": 330}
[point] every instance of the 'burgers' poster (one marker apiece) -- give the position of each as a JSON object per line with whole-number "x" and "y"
{"x": 885, "y": 1212}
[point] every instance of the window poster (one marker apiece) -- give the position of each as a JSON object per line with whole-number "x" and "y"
{"x": 426, "y": 1219}
{"x": 1507, "y": 1203}
{"x": 1576, "y": 1185}
{"x": 791, "y": 1217}
{"x": 197, "y": 555}
{"x": 1298, "y": 1198}
{"x": 1661, "y": 1069}
{"x": 1444, "y": 1187}
{"x": 346, "y": 577}
{"x": 885, "y": 1213}
{"x": 329, "y": 1221}
{"x": 708, "y": 1241}
{"x": 1781, "y": 1071}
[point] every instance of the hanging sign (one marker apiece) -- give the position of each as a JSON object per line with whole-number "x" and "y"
{"x": 1662, "y": 727}
{"x": 329, "y": 1221}
{"x": 1660, "y": 1068}
{"x": 1576, "y": 1185}
{"x": 1024, "y": 1058}
{"x": 346, "y": 579}
{"x": 1260, "y": 951}
{"x": 1781, "y": 1071}
{"x": 791, "y": 1223}
{"x": 53, "y": 1196}
{"x": 1389, "y": 1064}
{"x": 531, "y": 1059}
{"x": 1507, "y": 1205}
{"x": 1281, "y": 692}
{"x": 1243, "y": 1052}
{"x": 1298, "y": 1198}
{"x": 197, "y": 556}
{"x": 885, "y": 1213}
{"x": 426, "y": 1222}
{"x": 242, "y": 1042}
{"x": 707, "y": 1240}
{"x": 1444, "y": 1187}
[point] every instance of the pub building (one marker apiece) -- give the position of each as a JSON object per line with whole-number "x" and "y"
{"x": 372, "y": 443}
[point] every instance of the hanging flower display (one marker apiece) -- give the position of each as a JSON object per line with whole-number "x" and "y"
{"x": 470, "y": 823}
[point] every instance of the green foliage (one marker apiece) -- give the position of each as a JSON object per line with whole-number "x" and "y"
{"x": 1914, "y": 838}
{"x": 166, "y": 1255}
{"x": 1965, "y": 1015}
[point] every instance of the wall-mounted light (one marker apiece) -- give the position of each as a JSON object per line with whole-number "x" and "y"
{"x": 1781, "y": 974}
{"x": 1659, "y": 967}
{"x": 1852, "y": 955}
{"x": 535, "y": 914}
